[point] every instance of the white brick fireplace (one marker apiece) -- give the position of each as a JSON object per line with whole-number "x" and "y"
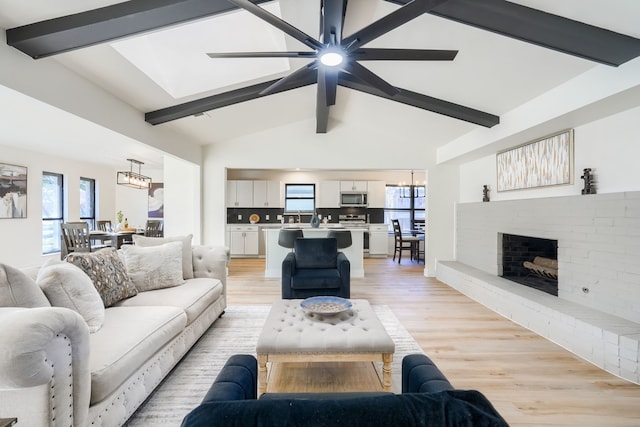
{"x": 597, "y": 312}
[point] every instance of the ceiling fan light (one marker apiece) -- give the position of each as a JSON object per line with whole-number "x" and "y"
{"x": 331, "y": 58}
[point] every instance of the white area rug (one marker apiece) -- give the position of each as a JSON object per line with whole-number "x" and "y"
{"x": 236, "y": 332}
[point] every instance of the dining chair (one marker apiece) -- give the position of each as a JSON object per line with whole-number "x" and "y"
{"x": 154, "y": 228}
{"x": 419, "y": 229}
{"x": 76, "y": 238}
{"x": 403, "y": 243}
{"x": 104, "y": 225}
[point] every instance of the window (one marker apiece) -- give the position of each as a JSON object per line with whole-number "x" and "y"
{"x": 88, "y": 201}
{"x": 405, "y": 203}
{"x": 52, "y": 212}
{"x": 300, "y": 197}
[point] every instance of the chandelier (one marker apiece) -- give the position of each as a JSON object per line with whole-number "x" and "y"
{"x": 411, "y": 191}
{"x": 134, "y": 179}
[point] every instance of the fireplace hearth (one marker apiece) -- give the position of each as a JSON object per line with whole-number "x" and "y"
{"x": 518, "y": 251}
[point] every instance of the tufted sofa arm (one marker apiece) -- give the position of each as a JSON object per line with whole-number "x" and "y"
{"x": 237, "y": 380}
{"x": 211, "y": 262}
{"x": 44, "y": 361}
{"x": 421, "y": 375}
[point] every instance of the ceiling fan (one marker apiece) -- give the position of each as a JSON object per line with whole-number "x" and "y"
{"x": 336, "y": 60}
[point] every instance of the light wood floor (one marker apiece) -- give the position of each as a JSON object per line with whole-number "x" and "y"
{"x": 530, "y": 380}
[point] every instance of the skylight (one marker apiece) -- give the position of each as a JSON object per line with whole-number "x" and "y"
{"x": 176, "y": 59}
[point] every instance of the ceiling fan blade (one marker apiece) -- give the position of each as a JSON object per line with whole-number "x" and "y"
{"x": 262, "y": 55}
{"x": 425, "y": 102}
{"x": 220, "y": 100}
{"x": 283, "y": 26}
{"x": 301, "y": 73}
{"x": 329, "y": 78}
{"x": 367, "y": 54}
{"x": 322, "y": 105}
{"x": 387, "y": 23}
{"x": 365, "y": 75}
{"x": 332, "y": 20}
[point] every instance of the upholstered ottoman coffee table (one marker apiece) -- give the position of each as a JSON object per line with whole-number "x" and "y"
{"x": 291, "y": 334}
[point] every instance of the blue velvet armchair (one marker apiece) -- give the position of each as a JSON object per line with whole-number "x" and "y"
{"x": 314, "y": 268}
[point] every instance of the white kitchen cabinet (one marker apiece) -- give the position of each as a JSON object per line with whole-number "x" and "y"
{"x": 243, "y": 240}
{"x": 376, "y": 194}
{"x": 329, "y": 194}
{"x": 266, "y": 194}
{"x": 353, "y": 186}
{"x": 378, "y": 240}
{"x": 239, "y": 194}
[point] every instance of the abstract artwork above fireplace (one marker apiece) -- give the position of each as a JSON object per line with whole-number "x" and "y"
{"x": 540, "y": 163}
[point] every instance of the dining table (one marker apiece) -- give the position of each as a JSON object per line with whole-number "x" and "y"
{"x": 114, "y": 238}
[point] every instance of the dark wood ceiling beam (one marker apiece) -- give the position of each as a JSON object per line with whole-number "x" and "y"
{"x": 110, "y": 23}
{"x": 541, "y": 28}
{"x": 66, "y": 33}
{"x": 214, "y": 102}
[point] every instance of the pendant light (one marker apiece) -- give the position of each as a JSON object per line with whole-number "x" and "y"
{"x": 134, "y": 179}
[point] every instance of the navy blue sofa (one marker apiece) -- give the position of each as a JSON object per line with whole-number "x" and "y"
{"x": 315, "y": 267}
{"x": 427, "y": 399}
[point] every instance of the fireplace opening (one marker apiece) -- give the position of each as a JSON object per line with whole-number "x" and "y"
{"x": 531, "y": 261}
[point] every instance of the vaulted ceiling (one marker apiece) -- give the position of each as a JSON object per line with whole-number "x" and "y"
{"x": 152, "y": 55}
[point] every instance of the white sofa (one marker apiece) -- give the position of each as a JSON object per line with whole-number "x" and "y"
{"x": 53, "y": 372}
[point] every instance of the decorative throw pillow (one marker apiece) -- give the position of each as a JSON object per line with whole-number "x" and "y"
{"x": 107, "y": 272}
{"x": 155, "y": 267}
{"x": 65, "y": 285}
{"x": 19, "y": 290}
{"x": 187, "y": 253}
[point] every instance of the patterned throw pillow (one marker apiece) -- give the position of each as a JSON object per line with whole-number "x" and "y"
{"x": 107, "y": 272}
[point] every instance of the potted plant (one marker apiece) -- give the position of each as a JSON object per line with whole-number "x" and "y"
{"x": 120, "y": 217}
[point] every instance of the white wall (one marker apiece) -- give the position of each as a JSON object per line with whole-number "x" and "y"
{"x": 182, "y": 198}
{"x": 297, "y": 146}
{"x": 22, "y": 238}
{"x": 610, "y": 147}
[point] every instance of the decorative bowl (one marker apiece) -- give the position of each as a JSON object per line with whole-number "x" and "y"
{"x": 325, "y": 305}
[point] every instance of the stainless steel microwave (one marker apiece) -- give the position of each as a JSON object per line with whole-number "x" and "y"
{"x": 353, "y": 199}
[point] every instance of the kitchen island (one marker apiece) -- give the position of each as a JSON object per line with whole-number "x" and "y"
{"x": 275, "y": 253}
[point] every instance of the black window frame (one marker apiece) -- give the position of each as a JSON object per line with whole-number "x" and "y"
{"x": 413, "y": 192}
{"x": 287, "y": 197}
{"x": 57, "y": 219}
{"x": 91, "y": 220}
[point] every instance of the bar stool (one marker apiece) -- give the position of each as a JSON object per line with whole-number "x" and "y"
{"x": 287, "y": 238}
{"x": 343, "y": 237}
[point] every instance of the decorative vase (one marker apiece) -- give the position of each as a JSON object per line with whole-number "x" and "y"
{"x": 315, "y": 221}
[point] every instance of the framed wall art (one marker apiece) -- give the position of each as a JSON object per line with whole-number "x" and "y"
{"x": 13, "y": 191}
{"x": 540, "y": 163}
{"x": 156, "y": 200}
